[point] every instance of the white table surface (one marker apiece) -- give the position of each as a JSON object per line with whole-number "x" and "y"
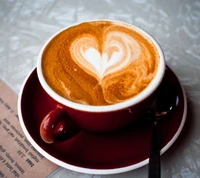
{"x": 25, "y": 25}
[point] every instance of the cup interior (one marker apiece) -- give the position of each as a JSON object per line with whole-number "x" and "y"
{"x": 107, "y": 108}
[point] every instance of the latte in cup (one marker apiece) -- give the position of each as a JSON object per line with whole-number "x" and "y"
{"x": 100, "y": 62}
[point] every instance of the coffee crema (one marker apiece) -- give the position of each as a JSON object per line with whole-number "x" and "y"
{"x": 100, "y": 63}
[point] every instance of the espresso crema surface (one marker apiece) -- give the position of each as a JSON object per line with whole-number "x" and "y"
{"x": 100, "y": 63}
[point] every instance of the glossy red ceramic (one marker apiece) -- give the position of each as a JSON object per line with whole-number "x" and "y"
{"x": 99, "y": 153}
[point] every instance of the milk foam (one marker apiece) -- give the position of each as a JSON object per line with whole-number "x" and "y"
{"x": 126, "y": 50}
{"x": 100, "y": 63}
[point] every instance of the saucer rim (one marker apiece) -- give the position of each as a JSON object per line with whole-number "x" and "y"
{"x": 91, "y": 170}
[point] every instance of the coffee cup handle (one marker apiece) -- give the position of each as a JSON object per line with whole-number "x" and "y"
{"x": 57, "y": 126}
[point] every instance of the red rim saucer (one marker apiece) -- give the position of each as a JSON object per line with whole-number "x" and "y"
{"x": 94, "y": 153}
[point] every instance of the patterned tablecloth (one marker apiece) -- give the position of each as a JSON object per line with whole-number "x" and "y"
{"x": 25, "y": 25}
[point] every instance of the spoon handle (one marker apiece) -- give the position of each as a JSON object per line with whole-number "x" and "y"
{"x": 154, "y": 159}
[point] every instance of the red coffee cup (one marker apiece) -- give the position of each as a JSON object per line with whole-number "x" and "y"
{"x": 67, "y": 117}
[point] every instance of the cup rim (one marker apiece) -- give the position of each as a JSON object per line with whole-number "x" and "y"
{"x": 105, "y": 108}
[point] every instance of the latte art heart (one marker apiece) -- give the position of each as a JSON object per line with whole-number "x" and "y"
{"x": 119, "y": 50}
{"x": 100, "y": 63}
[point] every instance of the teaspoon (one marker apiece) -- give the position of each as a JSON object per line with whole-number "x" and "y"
{"x": 164, "y": 103}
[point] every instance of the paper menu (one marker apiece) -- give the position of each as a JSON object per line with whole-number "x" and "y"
{"x": 18, "y": 158}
